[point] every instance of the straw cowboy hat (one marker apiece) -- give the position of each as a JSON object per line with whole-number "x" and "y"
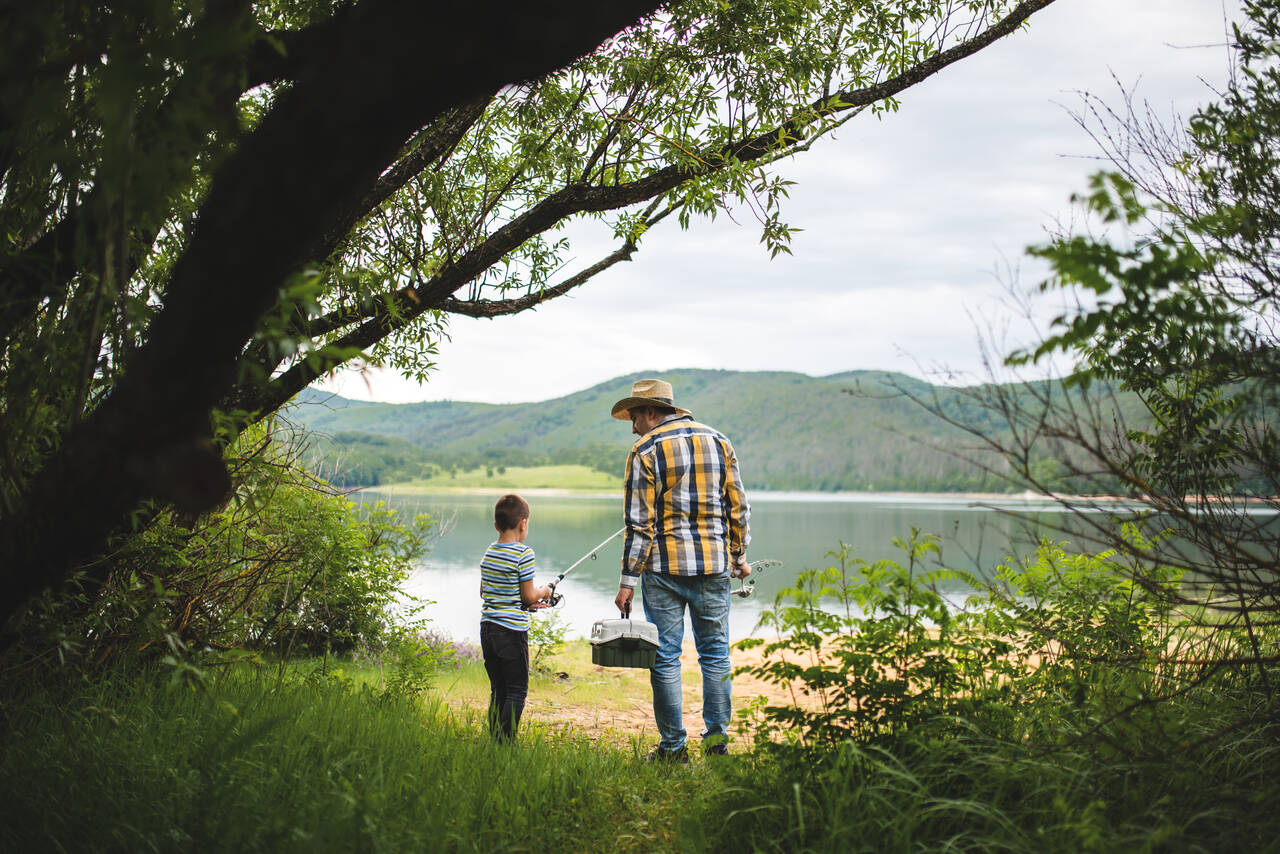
{"x": 647, "y": 393}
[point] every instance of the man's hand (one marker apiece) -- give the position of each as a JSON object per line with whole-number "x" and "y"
{"x": 623, "y": 599}
{"x": 741, "y": 569}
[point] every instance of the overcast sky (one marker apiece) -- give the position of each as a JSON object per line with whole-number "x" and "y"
{"x": 914, "y": 226}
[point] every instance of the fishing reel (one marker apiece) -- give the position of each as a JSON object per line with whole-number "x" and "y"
{"x": 551, "y": 601}
{"x": 747, "y": 586}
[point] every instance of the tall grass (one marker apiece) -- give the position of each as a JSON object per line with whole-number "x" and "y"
{"x": 252, "y": 765}
{"x": 971, "y": 794}
{"x": 1071, "y": 710}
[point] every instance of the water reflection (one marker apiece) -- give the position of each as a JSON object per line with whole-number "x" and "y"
{"x": 797, "y": 528}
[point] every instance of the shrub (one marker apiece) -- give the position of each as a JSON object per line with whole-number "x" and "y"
{"x": 289, "y": 565}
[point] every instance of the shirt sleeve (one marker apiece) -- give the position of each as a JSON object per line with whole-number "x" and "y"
{"x": 738, "y": 508}
{"x": 638, "y": 514}
{"x": 526, "y": 565}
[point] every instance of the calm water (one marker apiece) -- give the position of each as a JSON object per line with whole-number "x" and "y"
{"x": 797, "y": 528}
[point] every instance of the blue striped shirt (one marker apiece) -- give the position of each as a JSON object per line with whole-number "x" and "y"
{"x": 502, "y": 568}
{"x": 685, "y": 508}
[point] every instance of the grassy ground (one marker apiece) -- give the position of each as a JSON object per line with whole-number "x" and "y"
{"x": 248, "y": 763}
{"x": 249, "y": 759}
{"x": 610, "y": 706}
{"x": 569, "y": 478}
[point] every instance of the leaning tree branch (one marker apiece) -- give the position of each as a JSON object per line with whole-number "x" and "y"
{"x": 496, "y": 308}
{"x": 435, "y": 145}
{"x": 383, "y": 317}
{"x": 299, "y": 375}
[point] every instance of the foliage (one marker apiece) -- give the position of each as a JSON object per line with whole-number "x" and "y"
{"x": 967, "y": 793}
{"x": 267, "y": 761}
{"x": 867, "y": 651}
{"x": 1061, "y": 650}
{"x": 198, "y": 218}
{"x": 289, "y": 565}
{"x": 1076, "y": 714}
{"x": 418, "y": 658}
{"x": 1187, "y": 288}
{"x": 1185, "y": 318}
{"x": 1173, "y": 270}
{"x": 547, "y": 633}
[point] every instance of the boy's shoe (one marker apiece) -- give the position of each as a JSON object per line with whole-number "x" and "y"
{"x": 658, "y": 754}
{"x": 717, "y": 749}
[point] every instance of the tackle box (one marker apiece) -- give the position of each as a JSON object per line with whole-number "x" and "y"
{"x": 624, "y": 643}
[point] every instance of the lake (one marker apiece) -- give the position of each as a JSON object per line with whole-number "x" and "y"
{"x": 798, "y": 529}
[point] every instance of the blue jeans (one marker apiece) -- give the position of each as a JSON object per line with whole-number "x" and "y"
{"x": 707, "y": 598}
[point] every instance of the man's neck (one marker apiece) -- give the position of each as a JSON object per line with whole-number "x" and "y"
{"x": 674, "y": 416}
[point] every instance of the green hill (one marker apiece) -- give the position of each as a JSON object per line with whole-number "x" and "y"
{"x": 848, "y": 431}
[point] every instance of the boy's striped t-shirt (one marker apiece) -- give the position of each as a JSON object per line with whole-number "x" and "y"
{"x": 502, "y": 569}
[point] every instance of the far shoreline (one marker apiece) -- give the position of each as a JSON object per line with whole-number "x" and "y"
{"x": 766, "y": 495}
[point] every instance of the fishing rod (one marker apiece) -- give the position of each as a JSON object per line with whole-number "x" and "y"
{"x": 746, "y": 586}
{"x": 591, "y": 555}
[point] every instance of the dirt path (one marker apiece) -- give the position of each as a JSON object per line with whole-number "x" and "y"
{"x": 616, "y": 704}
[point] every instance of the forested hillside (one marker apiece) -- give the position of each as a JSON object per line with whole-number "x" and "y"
{"x": 848, "y": 431}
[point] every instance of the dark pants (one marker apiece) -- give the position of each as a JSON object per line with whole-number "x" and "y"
{"x": 506, "y": 659}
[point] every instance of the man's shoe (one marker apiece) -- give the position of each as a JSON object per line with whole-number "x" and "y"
{"x": 659, "y": 754}
{"x": 717, "y": 749}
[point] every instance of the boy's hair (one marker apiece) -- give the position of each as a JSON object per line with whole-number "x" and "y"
{"x": 509, "y": 512}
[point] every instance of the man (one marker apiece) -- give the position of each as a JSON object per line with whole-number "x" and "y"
{"x": 686, "y": 519}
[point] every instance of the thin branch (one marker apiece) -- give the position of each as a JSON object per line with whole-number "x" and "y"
{"x": 496, "y": 308}
{"x": 379, "y": 318}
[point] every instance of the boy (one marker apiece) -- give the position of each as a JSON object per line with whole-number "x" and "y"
{"x": 506, "y": 584}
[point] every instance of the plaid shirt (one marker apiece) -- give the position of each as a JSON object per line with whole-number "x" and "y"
{"x": 685, "y": 509}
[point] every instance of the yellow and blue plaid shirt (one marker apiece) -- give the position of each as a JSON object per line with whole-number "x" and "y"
{"x": 685, "y": 509}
